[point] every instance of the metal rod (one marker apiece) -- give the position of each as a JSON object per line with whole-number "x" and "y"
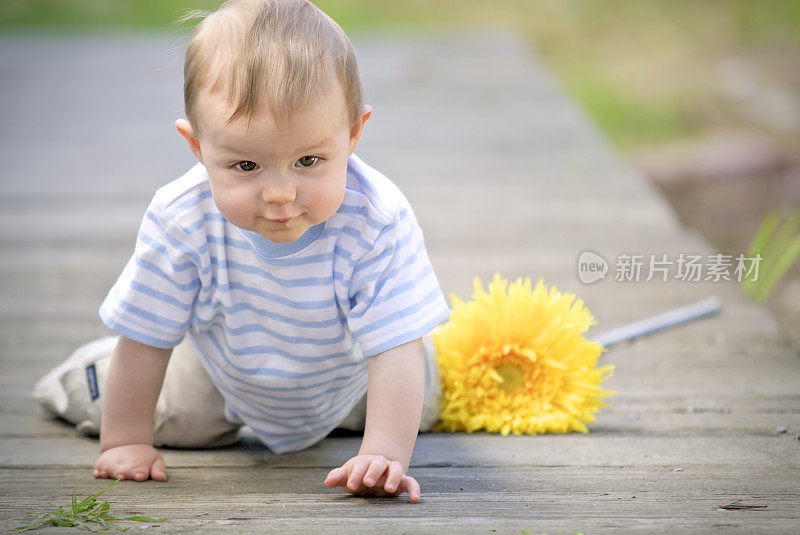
{"x": 658, "y": 322}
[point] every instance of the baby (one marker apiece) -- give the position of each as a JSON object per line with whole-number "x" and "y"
{"x": 298, "y": 272}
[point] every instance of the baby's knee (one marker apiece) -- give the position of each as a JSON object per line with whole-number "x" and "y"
{"x": 189, "y": 429}
{"x": 189, "y": 421}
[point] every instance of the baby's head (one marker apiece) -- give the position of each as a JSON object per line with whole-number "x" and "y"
{"x": 274, "y": 107}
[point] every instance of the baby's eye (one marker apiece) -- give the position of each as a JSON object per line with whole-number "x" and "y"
{"x": 307, "y": 161}
{"x": 246, "y": 166}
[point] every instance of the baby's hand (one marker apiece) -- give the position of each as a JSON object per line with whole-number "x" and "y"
{"x": 373, "y": 475}
{"x": 132, "y": 461}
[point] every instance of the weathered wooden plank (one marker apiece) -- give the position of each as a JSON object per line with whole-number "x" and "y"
{"x": 602, "y": 499}
{"x": 679, "y": 422}
{"x": 613, "y": 448}
{"x": 643, "y": 403}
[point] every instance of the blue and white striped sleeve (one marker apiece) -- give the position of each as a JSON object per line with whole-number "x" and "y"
{"x": 394, "y": 293}
{"x": 153, "y": 299}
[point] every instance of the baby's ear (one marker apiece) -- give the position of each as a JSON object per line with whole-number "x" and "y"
{"x": 358, "y": 127}
{"x": 185, "y": 129}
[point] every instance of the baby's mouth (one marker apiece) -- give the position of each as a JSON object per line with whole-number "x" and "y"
{"x": 285, "y": 221}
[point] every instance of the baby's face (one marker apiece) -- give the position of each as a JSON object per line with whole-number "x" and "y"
{"x": 278, "y": 182}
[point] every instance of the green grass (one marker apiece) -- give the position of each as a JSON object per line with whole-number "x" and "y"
{"x": 80, "y": 15}
{"x": 641, "y": 69}
{"x": 84, "y": 514}
{"x": 624, "y": 115}
{"x": 777, "y": 241}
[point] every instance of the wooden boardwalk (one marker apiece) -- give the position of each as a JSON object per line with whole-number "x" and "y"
{"x": 505, "y": 175}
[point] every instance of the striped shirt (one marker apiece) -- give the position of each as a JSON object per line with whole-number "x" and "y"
{"x": 283, "y": 329}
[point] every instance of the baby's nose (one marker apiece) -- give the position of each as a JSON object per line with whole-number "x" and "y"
{"x": 278, "y": 191}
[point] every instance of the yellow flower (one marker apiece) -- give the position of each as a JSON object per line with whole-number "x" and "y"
{"x": 516, "y": 362}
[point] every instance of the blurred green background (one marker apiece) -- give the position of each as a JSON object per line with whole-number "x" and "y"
{"x": 639, "y": 68}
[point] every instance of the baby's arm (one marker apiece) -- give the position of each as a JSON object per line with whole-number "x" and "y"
{"x": 132, "y": 387}
{"x": 396, "y": 390}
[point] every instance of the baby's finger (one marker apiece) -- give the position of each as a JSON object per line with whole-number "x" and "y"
{"x": 392, "y": 483}
{"x": 357, "y": 475}
{"x": 412, "y": 487}
{"x": 335, "y": 477}
{"x": 375, "y": 470}
{"x": 139, "y": 472}
{"x": 159, "y": 470}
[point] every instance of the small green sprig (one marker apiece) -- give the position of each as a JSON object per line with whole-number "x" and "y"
{"x": 777, "y": 241}
{"x": 82, "y": 514}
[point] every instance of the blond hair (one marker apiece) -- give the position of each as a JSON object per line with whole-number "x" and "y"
{"x": 281, "y": 53}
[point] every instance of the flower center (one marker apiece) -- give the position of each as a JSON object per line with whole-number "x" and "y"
{"x": 512, "y": 375}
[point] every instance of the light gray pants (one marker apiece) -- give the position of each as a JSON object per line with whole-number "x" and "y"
{"x": 190, "y": 412}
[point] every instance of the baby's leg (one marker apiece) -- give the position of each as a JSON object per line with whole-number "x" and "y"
{"x": 430, "y": 408}
{"x": 74, "y": 389}
{"x": 189, "y": 412}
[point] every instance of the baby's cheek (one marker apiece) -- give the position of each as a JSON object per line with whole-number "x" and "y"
{"x": 326, "y": 201}
{"x": 235, "y": 207}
